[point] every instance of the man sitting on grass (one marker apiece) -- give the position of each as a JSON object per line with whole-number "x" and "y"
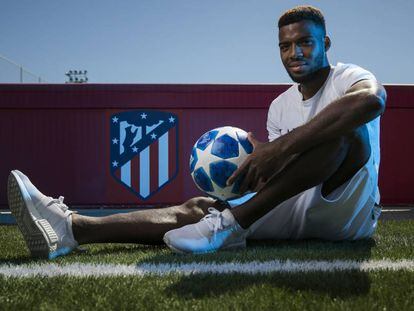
{"x": 317, "y": 177}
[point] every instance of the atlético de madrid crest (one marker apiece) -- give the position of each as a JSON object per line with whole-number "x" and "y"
{"x": 144, "y": 153}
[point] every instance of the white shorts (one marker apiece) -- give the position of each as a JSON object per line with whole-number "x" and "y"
{"x": 348, "y": 213}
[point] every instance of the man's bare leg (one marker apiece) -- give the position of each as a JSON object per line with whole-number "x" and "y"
{"x": 331, "y": 163}
{"x": 144, "y": 226}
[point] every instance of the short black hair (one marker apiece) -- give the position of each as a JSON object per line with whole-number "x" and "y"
{"x": 300, "y": 13}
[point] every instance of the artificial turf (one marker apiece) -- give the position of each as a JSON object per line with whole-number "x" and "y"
{"x": 346, "y": 290}
{"x": 307, "y": 291}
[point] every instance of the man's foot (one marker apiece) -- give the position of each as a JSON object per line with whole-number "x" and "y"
{"x": 45, "y": 222}
{"x": 217, "y": 230}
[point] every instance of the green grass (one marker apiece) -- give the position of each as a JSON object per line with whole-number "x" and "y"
{"x": 311, "y": 291}
{"x": 393, "y": 240}
{"x": 379, "y": 290}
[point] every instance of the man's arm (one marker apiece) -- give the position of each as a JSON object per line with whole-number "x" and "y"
{"x": 363, "y": 102}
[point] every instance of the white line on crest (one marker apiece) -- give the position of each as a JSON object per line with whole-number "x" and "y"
{"x": 254, "y": 267}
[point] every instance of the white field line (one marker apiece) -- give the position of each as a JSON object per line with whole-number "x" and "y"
{"x": 254, "y": 267}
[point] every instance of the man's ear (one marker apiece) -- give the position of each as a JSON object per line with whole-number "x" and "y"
{"x": 327, "y": 43}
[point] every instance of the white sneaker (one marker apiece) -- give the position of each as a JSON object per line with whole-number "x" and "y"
{"x": 217, "y": 230}
{"x": 46, "y": 223}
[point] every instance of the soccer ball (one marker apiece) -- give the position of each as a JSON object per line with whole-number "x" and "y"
{"x": 214, "y": 158}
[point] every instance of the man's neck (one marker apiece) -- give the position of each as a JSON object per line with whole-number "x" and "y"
{"x": 309, "y": 89}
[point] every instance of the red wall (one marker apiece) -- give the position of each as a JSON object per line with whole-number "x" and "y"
{"x": 59, "y": 135}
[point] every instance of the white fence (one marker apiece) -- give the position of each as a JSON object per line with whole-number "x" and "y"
{"x": 11, "y": 72}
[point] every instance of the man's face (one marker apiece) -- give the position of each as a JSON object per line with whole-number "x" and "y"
{"x": 302, "y": 50}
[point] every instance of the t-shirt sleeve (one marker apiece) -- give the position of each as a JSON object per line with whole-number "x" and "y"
{"x": 348, "y": 75}
{"x": 273, "y": 128}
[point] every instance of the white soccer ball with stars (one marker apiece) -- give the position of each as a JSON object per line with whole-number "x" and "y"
{"x": 214, "y": 158}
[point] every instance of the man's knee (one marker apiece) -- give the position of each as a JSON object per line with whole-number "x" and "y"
{"x": 358, "y": 136}
{"x": 337, "y": 150}
{"x": 357, "y": 154}
{"x": 359, "y": 146}
{"x": 339, "y": 143}
{"x": 333, "y": 152}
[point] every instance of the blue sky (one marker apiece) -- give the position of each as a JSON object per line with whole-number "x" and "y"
{"x": 183, "y": 41}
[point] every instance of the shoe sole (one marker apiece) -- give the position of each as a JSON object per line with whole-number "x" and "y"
{"x": 38, "y": 234}
{"x": 175, "y": 250}
{"x": 234, "y": 246}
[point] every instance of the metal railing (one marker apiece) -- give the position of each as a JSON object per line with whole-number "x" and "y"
{"x": 11, "y": 72}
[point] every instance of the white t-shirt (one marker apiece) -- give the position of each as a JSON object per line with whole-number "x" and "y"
{"x": 289, "y": 110}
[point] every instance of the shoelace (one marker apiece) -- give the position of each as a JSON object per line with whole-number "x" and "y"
{"x": 214, "y": 220}
{"x": 59, "y": 203}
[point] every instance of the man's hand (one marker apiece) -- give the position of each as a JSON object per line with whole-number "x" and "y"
{"x": 266, "y": 160}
